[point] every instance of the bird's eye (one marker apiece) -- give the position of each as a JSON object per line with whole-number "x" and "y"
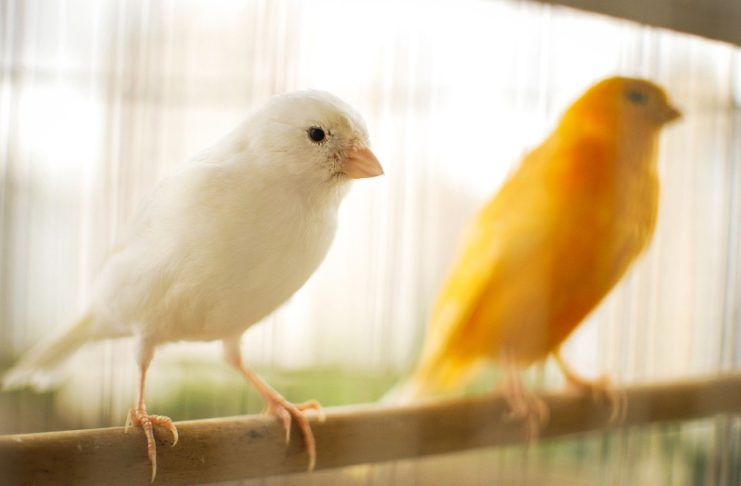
{"x": 316, "y": 134}
{"x": 636, "y": 97}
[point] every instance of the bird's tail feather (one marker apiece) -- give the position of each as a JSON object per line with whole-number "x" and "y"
{"x": 36, "y": 367}
{"x": 402, "y": 393}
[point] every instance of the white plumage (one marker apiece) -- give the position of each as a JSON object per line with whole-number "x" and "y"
{"x": 225, "y": 241}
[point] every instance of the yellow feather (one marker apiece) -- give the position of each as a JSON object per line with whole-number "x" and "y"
{"x": 559, "y": 234}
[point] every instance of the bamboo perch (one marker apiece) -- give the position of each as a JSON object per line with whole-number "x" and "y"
{"x": 253, "y": 446}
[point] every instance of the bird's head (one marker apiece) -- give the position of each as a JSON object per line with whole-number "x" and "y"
{"x": 314, "y": 136}
{"x": 632, "y": 106}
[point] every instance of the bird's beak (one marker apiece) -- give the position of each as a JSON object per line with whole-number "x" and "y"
{"x": 670, "y": 114}
{"x": 360, "y": 163}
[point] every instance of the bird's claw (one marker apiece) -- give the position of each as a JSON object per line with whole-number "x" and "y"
{"x": 530, "y": 409}
{"x": 139, "y": 417}
{"x": 526, "y": 407}
{"x": 287, "y": 411}
{"x": 313, "y": 405}
{"x": 602, "y": 391}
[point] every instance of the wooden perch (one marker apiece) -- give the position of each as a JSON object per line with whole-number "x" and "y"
{"x": 253, "y": 446}
{"x": 713, "y": 19}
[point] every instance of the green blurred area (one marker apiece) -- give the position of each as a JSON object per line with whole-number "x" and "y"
{"x": 196, "y": 390}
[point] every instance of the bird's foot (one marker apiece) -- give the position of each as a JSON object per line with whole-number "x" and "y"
{"x": 602, "y": 391}
{"x": 287, "y": 411}
{"x": 527, "y": 407}
{"x": 139, "y": 417}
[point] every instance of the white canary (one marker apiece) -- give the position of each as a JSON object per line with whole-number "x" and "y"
{"x": 224, "y": 242}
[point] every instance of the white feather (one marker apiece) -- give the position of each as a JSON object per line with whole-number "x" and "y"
{"x": 226, "y": 240}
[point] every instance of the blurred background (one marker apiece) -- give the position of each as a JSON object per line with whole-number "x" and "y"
{"x": 100, "y": 99}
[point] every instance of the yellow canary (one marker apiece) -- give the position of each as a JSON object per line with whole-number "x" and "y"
{"x": 545, "y": 250}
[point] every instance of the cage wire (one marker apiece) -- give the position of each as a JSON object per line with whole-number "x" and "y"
{"x": 100, "y": 99}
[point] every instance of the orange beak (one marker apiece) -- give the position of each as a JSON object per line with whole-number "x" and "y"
{"x": 361, "y": 163}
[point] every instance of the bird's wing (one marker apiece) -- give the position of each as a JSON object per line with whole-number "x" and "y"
{"x": 504, "y": 235}
{"x": 504, "y": 268}
{"x": 152, "y": 252}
